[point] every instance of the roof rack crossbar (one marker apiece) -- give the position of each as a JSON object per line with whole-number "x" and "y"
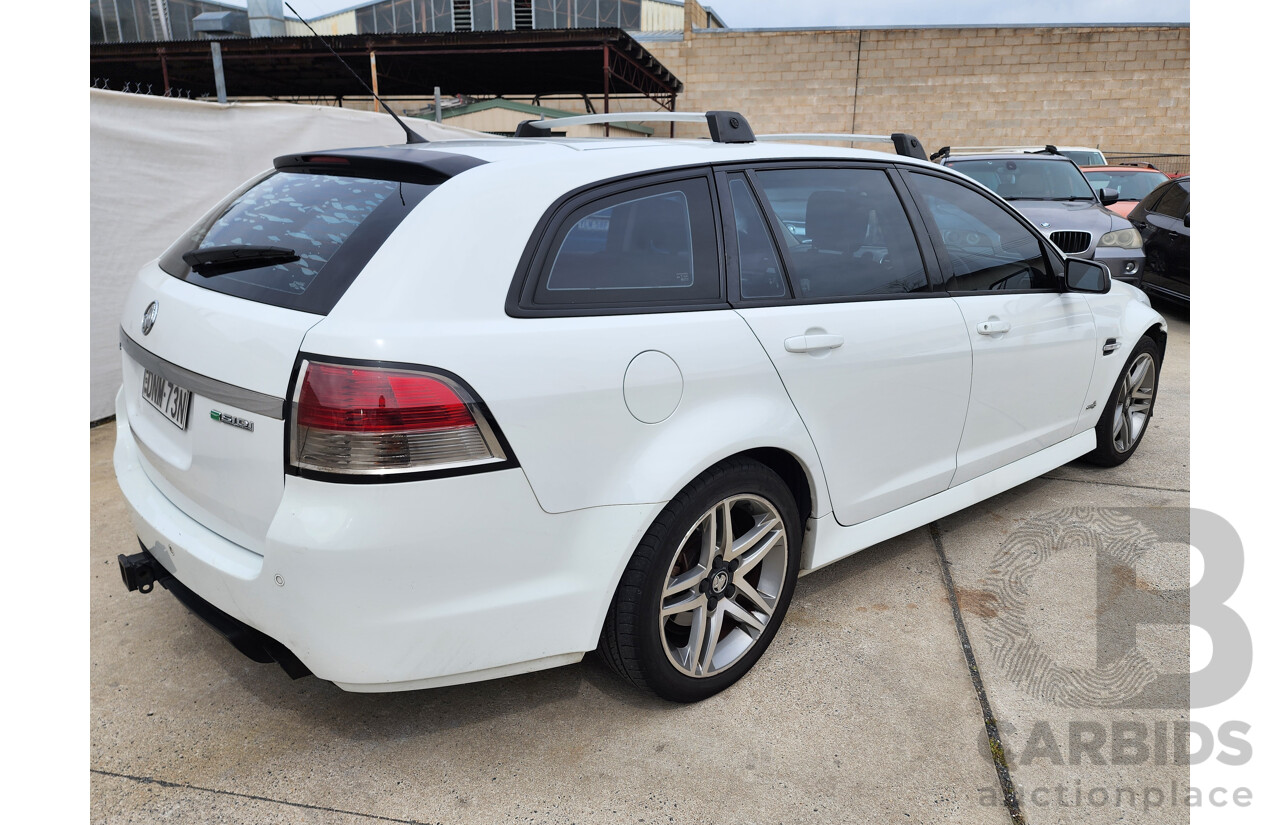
{"x": 903, "y": 143}
{"x": 726, "y": 127}
{"x": 827, "y": 136}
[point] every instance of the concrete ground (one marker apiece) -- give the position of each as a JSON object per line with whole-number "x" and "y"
{"x": 865, "y": 709}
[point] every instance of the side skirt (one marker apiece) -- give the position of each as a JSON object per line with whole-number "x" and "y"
{"x": 834, "y": 542}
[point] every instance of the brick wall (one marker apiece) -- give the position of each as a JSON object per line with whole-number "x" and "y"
{"x": 1124, "y": 89}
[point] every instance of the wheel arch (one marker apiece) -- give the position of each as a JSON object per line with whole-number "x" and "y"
{"x": 792, "y": 472}
{"x": 1158, "y": 333}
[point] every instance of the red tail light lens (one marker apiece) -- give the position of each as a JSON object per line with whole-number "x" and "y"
{"x": 374, "y": 421}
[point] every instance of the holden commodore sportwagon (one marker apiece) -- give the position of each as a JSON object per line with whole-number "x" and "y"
{"x": 411, "y": 416}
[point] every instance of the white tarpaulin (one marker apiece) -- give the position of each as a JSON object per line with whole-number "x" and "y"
{"x": 157, "y": 164}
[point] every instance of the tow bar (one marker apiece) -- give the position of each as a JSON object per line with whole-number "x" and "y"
{"x": 141, "y": 571}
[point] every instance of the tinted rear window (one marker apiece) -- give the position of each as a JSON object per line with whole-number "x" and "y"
{"x": 333, "y": 223}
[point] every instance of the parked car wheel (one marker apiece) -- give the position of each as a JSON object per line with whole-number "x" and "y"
{"x": 709, "y": 584}
{"x": 1128, "y": 412}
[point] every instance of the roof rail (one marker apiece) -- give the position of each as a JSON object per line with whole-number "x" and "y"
{"x": 903, "y": 144}
{"x": 725, "y": 127}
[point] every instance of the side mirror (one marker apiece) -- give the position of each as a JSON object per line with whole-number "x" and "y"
{"x": 1186, "y": 219}
{"x": 1087, "y": 276}
{"x": 1108, "y": 196}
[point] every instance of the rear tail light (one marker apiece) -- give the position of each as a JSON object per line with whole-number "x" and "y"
{"x": 370, "y": 421}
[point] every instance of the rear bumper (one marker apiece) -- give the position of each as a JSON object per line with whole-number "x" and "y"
{"x": 404, "y": 585}
{"x": 256, "y": 645}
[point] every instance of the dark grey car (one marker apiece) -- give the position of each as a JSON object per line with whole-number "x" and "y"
{"x": 1052, "y": 192}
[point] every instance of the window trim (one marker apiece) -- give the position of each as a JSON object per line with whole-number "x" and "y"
{"x": 918, "y": 229}
{"x": 532, "y": 268}
{"x": 1056, "y": 264}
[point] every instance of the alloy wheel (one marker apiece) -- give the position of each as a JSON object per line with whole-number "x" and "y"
{"x": 1133, "y": 403}
{"x": 723, "y": 585}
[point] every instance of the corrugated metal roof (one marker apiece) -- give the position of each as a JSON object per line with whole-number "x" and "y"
{"x": 528, "y": 62}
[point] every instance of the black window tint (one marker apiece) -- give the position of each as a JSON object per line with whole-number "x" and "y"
{"x": 333, "y": 223}
{"x": 1175, "y": 201}
{"x": 759, "y": 273}
{"x": 846, "y": 232}
{"x": 1148, "y": 204}
{"x": 987, "y": 247}
{"x": 650, "y": 245}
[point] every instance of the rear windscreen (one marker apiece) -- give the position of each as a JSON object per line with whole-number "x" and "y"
{"x": 332, "y": 223}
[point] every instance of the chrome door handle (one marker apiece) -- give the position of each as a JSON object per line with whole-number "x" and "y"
{"x": 993, "y": 327}
{"x": 813, "y": 343}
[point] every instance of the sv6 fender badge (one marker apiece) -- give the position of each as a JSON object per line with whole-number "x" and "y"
{"x": 242, "y": 423}
{"x": 149, "y": 317}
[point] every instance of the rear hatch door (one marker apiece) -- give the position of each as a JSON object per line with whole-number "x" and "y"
{"x": 211, "y": 331}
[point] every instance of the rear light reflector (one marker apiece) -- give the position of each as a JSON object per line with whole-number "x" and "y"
{"x": 361, "y": 420}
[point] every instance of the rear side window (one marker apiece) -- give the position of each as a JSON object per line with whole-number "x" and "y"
{"x": 653, "y": 245}
{"x": 332, "y": 223}
{"x": 987, "y": 248}
{"x": 845, "y": 231}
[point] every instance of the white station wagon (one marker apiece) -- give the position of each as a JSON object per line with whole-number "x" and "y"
{"x": 418, "y": 415}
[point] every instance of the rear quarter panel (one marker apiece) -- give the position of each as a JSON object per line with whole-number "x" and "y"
{"x": 434, "y": 294}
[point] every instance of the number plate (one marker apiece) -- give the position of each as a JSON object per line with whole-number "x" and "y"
{"x": 170, "y": 399}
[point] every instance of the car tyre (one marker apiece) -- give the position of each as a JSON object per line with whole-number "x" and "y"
{"x": 698, "y": 604}
{"x": 1127, "y": 414}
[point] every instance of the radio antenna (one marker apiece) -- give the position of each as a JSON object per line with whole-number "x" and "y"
{"x": 410, "y": 135}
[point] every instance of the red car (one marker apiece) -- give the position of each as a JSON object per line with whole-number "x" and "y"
{"x": 1132, "y": 182}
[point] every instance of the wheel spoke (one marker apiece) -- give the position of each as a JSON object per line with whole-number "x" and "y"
{"x": 752, "y": 595}
{"x": 707, "y": 552}
{"x": 713, "y": 625}
{"x": 744, "y": 617}
{"x": 691, "y": 601}
{"x": 724, "y": 528}
{"x": 697, "y": 631}
{"x": 1139, "y": 372}
{"x": 1126, "y": 435}
{"x": 687, "y": 580}
{"x": 750, "y": 538}
{"x": 750, "y": 558}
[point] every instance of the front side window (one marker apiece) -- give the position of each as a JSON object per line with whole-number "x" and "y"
{"x": 988, "y": 248}
{"x": 651, "y": 245}
{"x": 845, "y": 231}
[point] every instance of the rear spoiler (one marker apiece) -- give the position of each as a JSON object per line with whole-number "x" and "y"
{"x": 398, "y": 163}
